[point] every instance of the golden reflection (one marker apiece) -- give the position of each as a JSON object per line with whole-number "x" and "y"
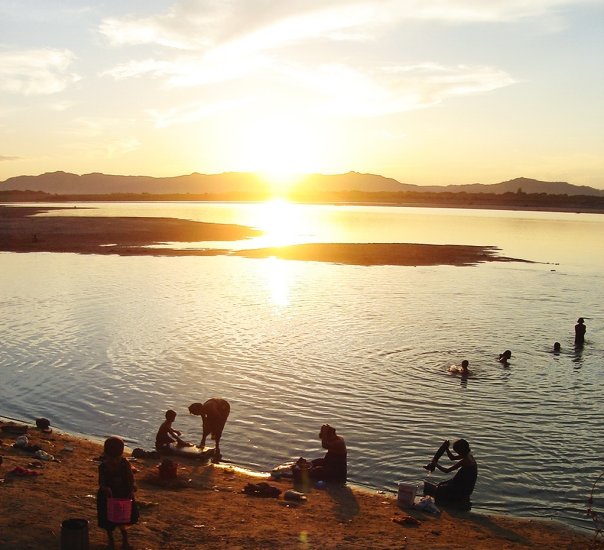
{"x": 280, "y": 222}
{"x": 277, "y": 279}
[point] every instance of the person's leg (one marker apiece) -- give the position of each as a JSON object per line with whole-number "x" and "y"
{"x": 125, "y": 543}
{"x": 110, "y": 541}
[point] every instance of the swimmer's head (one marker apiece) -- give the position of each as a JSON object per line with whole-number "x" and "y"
{"x": 465, "y": 364}
{"x": 557, "y": 346}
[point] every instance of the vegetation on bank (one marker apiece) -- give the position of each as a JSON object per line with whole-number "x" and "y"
{"x": 519, "y": 199}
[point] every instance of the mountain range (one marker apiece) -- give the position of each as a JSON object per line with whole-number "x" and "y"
{"x": 64, "y": 183}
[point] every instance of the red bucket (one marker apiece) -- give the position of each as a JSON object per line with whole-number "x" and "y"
{"x": 119, "y": 510}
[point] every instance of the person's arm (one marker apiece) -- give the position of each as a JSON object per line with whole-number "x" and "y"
{"x": 452, "y": 456}
{"x": 103, "y": 481}
{"x": 432, "y": 464}
{"x": 452, "y": 468}
{"x": 175, "y": 433}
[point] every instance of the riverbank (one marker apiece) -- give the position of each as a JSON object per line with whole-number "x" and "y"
{"x": 205, "y": 507}
{"x": 23, "y": 229}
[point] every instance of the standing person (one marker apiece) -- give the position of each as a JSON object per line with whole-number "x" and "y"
{"x": 580, "y": 329}
{"x": 115, "y": 480}
{"x": 455, "y": 491}
{"x": 214, "y": 413}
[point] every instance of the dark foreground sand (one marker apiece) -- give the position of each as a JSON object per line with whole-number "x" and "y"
{"x": 210, "y": 511}
{"x": 22, "y": 231}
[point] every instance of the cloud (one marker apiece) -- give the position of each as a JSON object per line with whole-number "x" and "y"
{"x": 4, "y": 158}
{"x": 347, "y": 91}
{"x": 260, "y": 24}
{"x": 122, "y": 146}
{"x": 193, "y": 112}
{"x": 36, "y": 71}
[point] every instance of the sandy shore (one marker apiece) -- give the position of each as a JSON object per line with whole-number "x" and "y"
{"x": 22, "y": 231}
{"x": 206, "y": 508}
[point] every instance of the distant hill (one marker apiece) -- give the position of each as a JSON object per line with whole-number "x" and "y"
{"x": 526, "y": 185}
{"x": 64, "y": 183}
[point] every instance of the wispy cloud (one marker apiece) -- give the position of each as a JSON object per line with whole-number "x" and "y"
{"x": 36, "y": 71}
{"x": 352, "y": 92}
{"x": 259, "y": 24}
{"x": 121, "y": 147}
{"x": 4, "y": 158}
{"x": 193, "y": 112}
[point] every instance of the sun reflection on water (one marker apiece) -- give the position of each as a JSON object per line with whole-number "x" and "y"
{"x": 281, "y": 224}
{"x": 277, "y": 280}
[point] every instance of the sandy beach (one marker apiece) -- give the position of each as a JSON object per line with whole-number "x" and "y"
{"x": 205, "y": 508}
{"x": 21, "y": 230}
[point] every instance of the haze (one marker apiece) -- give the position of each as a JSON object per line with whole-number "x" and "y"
{"x": 431, "y": 92}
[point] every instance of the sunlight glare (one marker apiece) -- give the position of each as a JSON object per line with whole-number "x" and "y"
{"x": 280, "y": 222}
{"x": 279, "y": 151}
{"x": 277, "y": 279}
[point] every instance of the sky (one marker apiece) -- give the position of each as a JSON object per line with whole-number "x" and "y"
{"x": 431, "y": 92}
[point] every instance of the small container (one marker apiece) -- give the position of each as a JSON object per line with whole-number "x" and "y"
{"x": 119, "y": 510}
{"x": 406, "y": 493}
{"x": 74, "y": 534}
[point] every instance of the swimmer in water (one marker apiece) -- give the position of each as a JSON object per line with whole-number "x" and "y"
{"x": 505, "y": 356}
{"x": 557, "y": 347}
{"x": 464, "y": 371}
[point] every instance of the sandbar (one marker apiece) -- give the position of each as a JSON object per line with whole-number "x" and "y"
{"x": 26, "y": 229}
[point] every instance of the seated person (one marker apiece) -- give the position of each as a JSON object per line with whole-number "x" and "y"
{"x": 167, "y": 436}
{"x": 333, "y": 466}
{"x": 455, "y": 491}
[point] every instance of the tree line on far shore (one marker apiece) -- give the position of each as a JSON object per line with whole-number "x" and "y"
{"x": 519, "y": 199}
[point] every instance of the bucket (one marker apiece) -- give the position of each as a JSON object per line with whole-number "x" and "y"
{"x": 119, "y": 510}
{"x": 74, "y": 534}
{"x": 406, "y": 493}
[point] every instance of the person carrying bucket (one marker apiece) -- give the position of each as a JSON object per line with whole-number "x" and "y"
{"x": 115, "y": 502}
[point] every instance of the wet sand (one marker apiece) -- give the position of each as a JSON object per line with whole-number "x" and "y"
{"x": 21, "y": 230}
{"x": 205, "y": 508}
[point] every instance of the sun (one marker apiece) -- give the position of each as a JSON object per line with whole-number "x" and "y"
{"x": 280, "y": 151}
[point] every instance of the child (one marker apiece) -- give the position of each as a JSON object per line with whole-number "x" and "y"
{"x": 115, "y": 480}
{"x": 464, "y": 370}
{"x": 167, "y": 436}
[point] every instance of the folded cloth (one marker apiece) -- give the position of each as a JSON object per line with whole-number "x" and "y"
{"x": 24, "y": 472}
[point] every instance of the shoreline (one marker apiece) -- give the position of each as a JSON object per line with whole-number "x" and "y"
{"x": 206, "y": 507}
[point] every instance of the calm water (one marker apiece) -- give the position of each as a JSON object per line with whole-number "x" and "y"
{"x": 104, "y": 345}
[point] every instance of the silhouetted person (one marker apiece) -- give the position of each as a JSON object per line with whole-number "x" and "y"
{"x": 455, "y": 491}
{"x": 332, "y": 467}
{"x": 580, "y": 329}
{"x": 116, "y": 480}
{"x": 463, "y": 370}
{"x": 214, "y": 413}
{"x": 557, "y": 347}
{"x": 505, "y": 356}
{"x": 167, "y": 436}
